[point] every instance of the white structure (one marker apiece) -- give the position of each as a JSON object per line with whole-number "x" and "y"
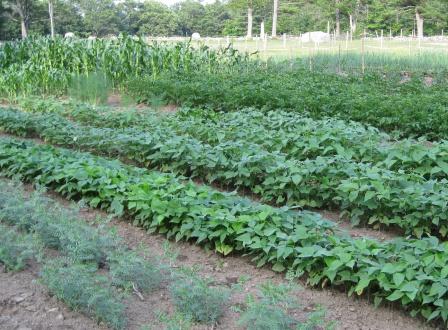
{"x": 316, "y": 36}
{"x": 195, "y": 36}
{"x": 91, "y": 38}
{"x": 69, "y": 35}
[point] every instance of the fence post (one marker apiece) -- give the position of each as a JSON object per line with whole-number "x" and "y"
{"x": 346, "y": 41}
{"x": 382, "y": 33}
{"x": 339, "y": 59}
{"x": 284, "y": 40}
{"x": 310, "y": 59}
{"x": 410, "y": 53}
{"x": 363, "y": 64}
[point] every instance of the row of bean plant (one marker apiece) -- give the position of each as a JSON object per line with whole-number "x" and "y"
{"x": 366, "y": 193}
{"x": 408, "y": 271}
{"x": 297, "y": 136}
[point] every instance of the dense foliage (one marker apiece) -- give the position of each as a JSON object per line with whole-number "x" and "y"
{"x": 46, "y": 65}
{"x": 104, "y": 17}
{"x": 411, "y": 108}
{"x": 412, "y": 272}
{"x": 365, "y": 192}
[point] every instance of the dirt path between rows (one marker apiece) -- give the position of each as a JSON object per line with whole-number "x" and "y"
{"x": 47, "y": 313}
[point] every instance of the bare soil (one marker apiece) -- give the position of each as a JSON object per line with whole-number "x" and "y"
{"x": 348, "y": 312}
{"x": 25, "y": 305}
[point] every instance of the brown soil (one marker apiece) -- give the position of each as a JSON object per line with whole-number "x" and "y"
{"x": 25, "y": 305}
{"x": 116, "y": 101}
{"x": 349, "y": 313}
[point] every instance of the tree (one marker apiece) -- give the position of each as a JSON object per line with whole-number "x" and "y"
{"x": 21, "y": 10}
{"x": 274, "y": 19}
{"x": 189, "y": 14}
{"x": 156, "y": 19}
{"x": 51, "y": 14}
{"x": 101, "y": 17}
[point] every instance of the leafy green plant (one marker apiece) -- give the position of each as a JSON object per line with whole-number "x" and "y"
{"x": 366, "y": 193}
{"x": 195, "y": 298}
{"x": 409, "y": 271}
{"x": 47, "y": 65}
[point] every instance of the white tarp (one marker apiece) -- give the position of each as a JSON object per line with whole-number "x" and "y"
{"x": 315, "y": 36}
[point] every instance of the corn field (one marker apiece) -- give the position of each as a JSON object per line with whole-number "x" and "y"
{"x": 44, "y": 65}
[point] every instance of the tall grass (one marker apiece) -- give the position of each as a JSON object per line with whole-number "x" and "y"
{"x": 374, "y": 62}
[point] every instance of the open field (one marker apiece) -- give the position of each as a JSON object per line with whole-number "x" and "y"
{"x": 406, "y": 54}
{"x": 334, "y": 181}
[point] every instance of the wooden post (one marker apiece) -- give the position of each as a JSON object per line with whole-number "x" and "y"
{"x": 382, "y": 39}
{"x": 265, "y": 43}
{"x": 410, "y": 39}
{"x": 339, "y": 59}
{"x": 363, "y": 64}
{"x": 310, "y": 59}
{"x": 284, "y": 40}
{"x": 346, "y": 41}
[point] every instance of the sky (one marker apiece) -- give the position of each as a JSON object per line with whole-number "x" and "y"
{"x": 172, "y": 2}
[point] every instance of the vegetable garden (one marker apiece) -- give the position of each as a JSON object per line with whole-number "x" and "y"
{"x": 245, "y": 166}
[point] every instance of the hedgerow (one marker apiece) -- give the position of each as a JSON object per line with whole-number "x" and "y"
{"x": 411, "y": 272}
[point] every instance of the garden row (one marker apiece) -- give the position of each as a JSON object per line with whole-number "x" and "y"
{"x": 406, "y": 108}
{"x": 30, "y": 225}
{"x": 411, "y": 272}
{"x": 47, "y": 65}
{"x": 364, "y": 192}
{"x": 296, "y": 136}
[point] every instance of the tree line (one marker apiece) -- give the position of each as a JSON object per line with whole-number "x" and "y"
{"x": 21, "y": 18}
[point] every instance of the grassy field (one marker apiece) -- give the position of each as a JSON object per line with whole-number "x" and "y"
{"x": 407, "y": 54}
